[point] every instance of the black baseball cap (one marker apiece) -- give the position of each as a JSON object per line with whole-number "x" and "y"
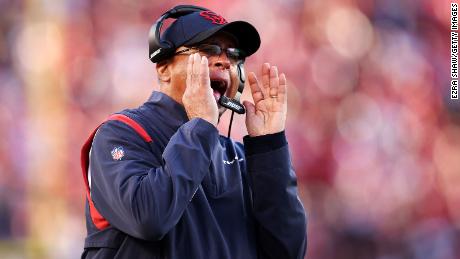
{"x": 198, "y": 26}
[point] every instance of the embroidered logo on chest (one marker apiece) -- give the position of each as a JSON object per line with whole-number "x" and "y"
{"x": 117, "y": 153}
{"x": 227, "y": 162}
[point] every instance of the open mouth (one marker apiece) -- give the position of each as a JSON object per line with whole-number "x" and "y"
{"x": 219, "y": 88}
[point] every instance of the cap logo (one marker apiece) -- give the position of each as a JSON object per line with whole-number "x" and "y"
{"x": 215, "y": 18}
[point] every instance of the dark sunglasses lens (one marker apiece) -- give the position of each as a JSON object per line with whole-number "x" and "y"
{"x": 210, "y": 50}
{"x": 235, "y": 54}
{"x": 215, "y": 50}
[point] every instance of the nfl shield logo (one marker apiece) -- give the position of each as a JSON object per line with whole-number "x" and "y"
{"x": 117, "y": 153}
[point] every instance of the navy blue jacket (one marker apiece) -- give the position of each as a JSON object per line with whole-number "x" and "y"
{"x": 190, "y": 193}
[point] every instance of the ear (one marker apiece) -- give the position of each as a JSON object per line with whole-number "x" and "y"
{"x": 164, "y": 74}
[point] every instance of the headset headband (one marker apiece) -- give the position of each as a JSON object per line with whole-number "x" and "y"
{"x": 160, "y": 49}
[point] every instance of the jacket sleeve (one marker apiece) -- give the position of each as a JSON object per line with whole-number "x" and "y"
{"x": 139, "y": 196}
{"x": 279, "y": 214}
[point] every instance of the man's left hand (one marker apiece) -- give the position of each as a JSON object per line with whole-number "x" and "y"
{"x": 268, "y": 113}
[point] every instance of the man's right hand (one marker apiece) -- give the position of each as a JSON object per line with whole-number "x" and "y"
{"x": 198, "y": 98}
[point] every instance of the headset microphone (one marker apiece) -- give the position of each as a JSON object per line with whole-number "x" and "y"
{"x": 232, "y": 104}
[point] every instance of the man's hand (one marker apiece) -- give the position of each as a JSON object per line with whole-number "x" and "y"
{"x": 198, "y": 100}
{"x": 268, "y": 115}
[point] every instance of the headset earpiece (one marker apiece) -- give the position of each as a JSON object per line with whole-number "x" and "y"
{"x": 157, "y": 49}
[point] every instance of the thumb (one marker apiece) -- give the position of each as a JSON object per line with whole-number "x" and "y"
{"x": 251, "y": 118}
{"x": 250, "y": 108}
{"x": 250, "y": 111}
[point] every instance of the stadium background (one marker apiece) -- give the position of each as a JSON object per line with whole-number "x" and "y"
{"x": 374, "y": 136}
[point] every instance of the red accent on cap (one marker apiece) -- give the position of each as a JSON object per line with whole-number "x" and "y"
{"x": 212, "y": 16}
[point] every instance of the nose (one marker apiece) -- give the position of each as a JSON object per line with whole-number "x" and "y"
{"x": 222, "y": 61}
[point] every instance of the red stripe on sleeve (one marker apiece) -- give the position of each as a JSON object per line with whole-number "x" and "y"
{"x": 138, "y": 128}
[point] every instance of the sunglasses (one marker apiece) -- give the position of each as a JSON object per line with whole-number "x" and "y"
{"x": 235, "y": 55}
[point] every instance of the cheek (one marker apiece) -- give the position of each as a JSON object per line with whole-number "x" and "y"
{"x": 178, "y": 78}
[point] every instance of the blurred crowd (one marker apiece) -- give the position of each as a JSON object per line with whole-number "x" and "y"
{"x": 374, "y": 135}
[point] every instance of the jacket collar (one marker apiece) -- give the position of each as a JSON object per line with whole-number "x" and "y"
{"x": 167, "y": 108}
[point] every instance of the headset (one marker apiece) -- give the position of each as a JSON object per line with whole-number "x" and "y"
{"x": 160, "y": 49}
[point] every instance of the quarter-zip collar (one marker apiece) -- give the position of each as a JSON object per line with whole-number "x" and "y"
{"x": 167, "y": 109}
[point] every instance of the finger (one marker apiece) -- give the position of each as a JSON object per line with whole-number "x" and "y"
{"x": 265, "y": 78}
{"x": 189, "y": 71}
{"x": 196, "y": 69}
{"x": 274, "y": 82}
{"x": 282, "y": 90}
{"x": 256, "y": 92}
{"x": 204, "y": 73}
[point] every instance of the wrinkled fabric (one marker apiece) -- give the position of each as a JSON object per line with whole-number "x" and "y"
{"x": 191, "y": 193}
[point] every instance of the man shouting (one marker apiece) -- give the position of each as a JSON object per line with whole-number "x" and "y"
{"x": 162, "y": 183}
